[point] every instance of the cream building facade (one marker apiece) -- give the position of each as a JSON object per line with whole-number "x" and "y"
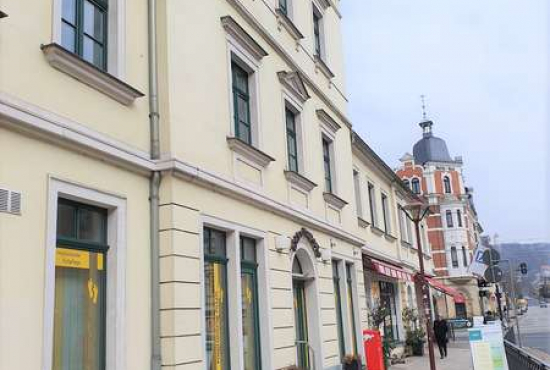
{"x": 265, "y": 257}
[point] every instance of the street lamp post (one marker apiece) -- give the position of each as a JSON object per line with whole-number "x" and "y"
{"x": 416, "y": 213}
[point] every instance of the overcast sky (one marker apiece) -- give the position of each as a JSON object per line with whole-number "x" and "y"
{"x": 482, "y": 65}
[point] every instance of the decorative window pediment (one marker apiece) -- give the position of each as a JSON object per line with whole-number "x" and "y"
{"x": 242, "y": 37}
{"x": 328, "y": 120}
{"x": 334, "y": 200}
{"x": 305, "y": 233}
{"x": 294, "y": 83}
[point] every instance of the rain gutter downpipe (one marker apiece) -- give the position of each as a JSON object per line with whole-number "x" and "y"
{"x": 154, "y": 187}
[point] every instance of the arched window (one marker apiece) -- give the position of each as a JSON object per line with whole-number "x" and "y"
{"x": 449, "y": 216}
{"x": 464, "y": 257}
{"x": 459, "y": 217}
{"x": 454, "y": 257}
{"x": 447, "y": 184}
{"x": 407, "y": 183}
{"x": 415, "y": 186}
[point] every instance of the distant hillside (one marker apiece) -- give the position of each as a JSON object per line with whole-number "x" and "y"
{"x": 537, "y": 257}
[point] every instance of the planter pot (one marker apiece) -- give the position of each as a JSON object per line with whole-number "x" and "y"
{"x": 418, "y": 349}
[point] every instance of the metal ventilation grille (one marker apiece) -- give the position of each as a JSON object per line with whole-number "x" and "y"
{"x": 10, "y": 201}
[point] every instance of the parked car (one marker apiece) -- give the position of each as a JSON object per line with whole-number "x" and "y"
{"x": 543, "y": 304}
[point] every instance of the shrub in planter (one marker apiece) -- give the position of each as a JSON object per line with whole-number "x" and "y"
{"x": 416, "y": 339}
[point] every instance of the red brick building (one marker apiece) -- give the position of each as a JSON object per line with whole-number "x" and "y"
{"x": 453, "y": 228}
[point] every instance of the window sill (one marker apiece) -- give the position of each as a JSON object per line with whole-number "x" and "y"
{"x": 287, "y": 23}
{"x": 71, "y": 64}
{"x": 406, "y": 244}
{"x": 300, "y": 181}
{"x": 376, "y": 230}
{"x": 362, "y": 222}
{"x": 320, "y": 65}
{"x": 390, "y": 237}
{"x": 249, "y": 152}
{"x": 334, "y": 200}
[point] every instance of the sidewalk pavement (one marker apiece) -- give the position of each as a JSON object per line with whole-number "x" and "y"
{"x": 459, "y": 358}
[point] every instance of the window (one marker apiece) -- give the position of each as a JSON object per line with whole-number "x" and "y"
{"x": 80, "y": 287}
{"x": 459, "y": 217}
{"x": 407, "y": 183}
{"x": 372, "y": 205}
{"x": 215, "y": 285}
{"x": 388, "y": 301}
{"x": 241, "y": 103}
{"x": 327, "y": 165}
{"x": 351, "y": 311}
{"x": 415, "y": 186}
{"x": 250, "y": 310}
{"x": 317, "y": 29}
{"x": 291, "y": 140}
{"x": 386, "y": 214}
{"x": 84, "y": 30}
{"x": 402, "y": 223}
{"x": 338, "y": 306}
{"x": 464, "y": 257}
{"x": 454, "y": 257}
{"x": 447, "y": 184}
{"x": 283, "y": 6}
{"x": 357, "y": 189}
{"x": 449, "y": 216}
{"x": 409, "y": 229}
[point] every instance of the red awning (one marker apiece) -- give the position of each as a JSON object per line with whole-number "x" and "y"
{"x": 436, "y": 284}
{"x": 386, "y": 269}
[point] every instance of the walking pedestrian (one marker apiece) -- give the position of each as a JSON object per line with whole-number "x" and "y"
{"x": 441, "y": 330}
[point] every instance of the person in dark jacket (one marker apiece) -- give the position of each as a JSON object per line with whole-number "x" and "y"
{"x": 440, "y": 330}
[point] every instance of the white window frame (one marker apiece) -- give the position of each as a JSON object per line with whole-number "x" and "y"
{"x": 116, "y": 34}
{"x": 238, "y": 54}
{"x": 115, "y": 342}
{"x": 289, "y": 7}
{"x": 326, "y": 135}
{"x": 234, "y": 289}
{"x": 384, "y": 200}
{"x": 319, "y": 10}
{"x": 372, "y": 203}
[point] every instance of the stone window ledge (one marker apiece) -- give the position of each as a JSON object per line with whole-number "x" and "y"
{"x": 334, "y": 200}
{"x": 300, "y": 181}
{"x": 73, "y": 65}
{"x": 287, "y": 23}
{"x": 249, "y": 152}
{"x": 322, "y": 66}
{"x": 390, "y": 237}
{"x": 376, "y": 230}
{"x": 362, "y": 222}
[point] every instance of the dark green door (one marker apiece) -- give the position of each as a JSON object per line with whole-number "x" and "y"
{"x": 300, "y": 319}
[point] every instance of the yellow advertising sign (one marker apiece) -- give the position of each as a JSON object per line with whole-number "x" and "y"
{"x": 74, "y": 258}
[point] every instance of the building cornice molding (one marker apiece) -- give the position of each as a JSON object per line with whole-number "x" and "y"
{"x": 249, "y": 17}
{"x": 71, "y": 64}
{"x": 33, "y": 121}
{"x": 329, "y": 122}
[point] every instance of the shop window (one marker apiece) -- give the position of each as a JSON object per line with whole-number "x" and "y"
{"x": 388, "y": 301}
{"x": 215, "y": 283}
{"x": 80, "y": 287}
{"x": 338, "y": 306}
{"x": 351, "y": 310}
{"x": 250, "y": 310}
{"x": 460, "y": 309}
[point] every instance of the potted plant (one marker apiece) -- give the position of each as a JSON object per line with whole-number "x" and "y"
{"x": 351, "y": 362}
{"x": 376, "y": 318}
{"x": 416, "y": 339}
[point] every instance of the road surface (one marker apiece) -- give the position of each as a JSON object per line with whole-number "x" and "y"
{"x": 535, "y": 328}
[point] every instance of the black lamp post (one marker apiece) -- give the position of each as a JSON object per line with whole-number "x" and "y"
{"x": 416, "y": 212}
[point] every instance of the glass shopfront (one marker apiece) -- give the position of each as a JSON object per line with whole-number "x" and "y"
{"x": 388, "y": 301}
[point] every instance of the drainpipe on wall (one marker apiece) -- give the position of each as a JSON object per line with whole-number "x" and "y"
{"x": 154, "y": 187}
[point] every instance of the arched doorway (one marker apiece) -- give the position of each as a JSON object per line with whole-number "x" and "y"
{"x": 306, "y": 310}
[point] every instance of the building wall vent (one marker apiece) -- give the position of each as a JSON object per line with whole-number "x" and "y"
{"x": 10, "y": 201}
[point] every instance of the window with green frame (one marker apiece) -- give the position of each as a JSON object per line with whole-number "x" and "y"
{"x": 283, "y": 6}
{"x": 327, "y": 161}
{"x": 250, "y": 309}
{"x": 291, "y": 140}
{"x": 338, "y": 305}
{"x": 80, "y": 287}
{"x": 351, "y": 310}
{"x": 241, "y": 103}
{"x": 84, "y": 30}
{"x": 317, "y": 19}
{"x": 215, "y": 285}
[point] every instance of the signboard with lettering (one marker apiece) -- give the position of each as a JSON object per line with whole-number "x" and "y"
{"x": 487, "y": 348}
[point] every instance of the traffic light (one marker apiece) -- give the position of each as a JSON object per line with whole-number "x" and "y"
{"x": 523, "y": 268}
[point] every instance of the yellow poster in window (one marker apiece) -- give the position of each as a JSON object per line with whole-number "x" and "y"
{"x": 218, "y": 305}
{"x": 74, "y": 258}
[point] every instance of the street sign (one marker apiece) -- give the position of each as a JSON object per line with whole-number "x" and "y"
{"x": 491, "y": 255}
{"x": 493, "y": 274}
